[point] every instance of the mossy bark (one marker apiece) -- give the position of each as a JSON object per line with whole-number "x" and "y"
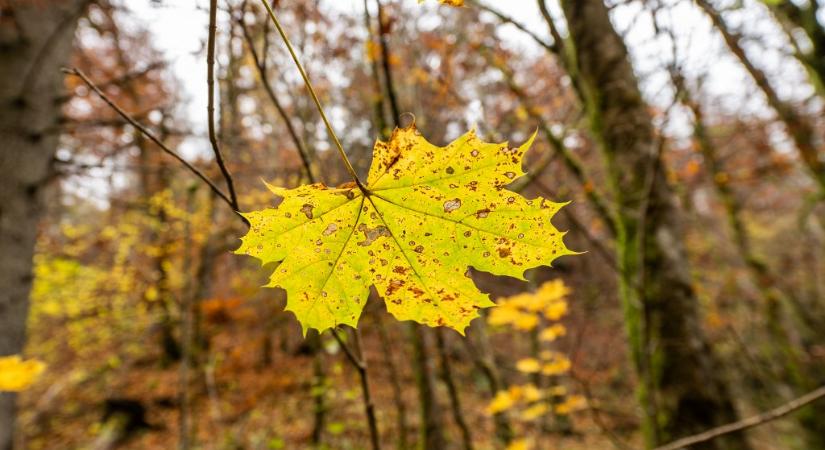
{"x": 682, "y": 389}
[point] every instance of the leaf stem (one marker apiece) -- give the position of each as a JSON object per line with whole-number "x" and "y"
{"x": 308, "y": 84}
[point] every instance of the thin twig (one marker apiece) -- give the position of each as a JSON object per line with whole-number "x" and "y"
{"x": 507, "y": 19}
{"x": 385, "y": 64}
{"x": 143, "y": 130}
{"x": 312, "y": 93}
{"x": 355, "y": 360}
{"x": 210, "y": 106}
{"x": 378, "y": 96}
{"x": 749, "y": 422}
{"x": 356, "y": 357}
{"x": 259, "y": 65}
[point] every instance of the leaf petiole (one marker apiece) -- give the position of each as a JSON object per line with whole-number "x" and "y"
{"x": 308, "y": 84}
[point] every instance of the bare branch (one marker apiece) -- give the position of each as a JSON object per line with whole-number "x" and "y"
{"x": 261, "y": 67}
{"x": 79, "y": 73}
{"x": 507, "y": 19}
{"x": 210, "y": 107}
{"x": 749, "y": 422}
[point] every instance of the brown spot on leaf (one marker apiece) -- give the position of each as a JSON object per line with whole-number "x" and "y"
{"x": 400, "y": 270}
{"x": 307, "y": 210}
{"x": 393, "y": 286}
{"x": 482, "y": 213}
{"x": 452, "y": 205}
{"x": 504, "y": 252}
{"x": 331, "y": 228}
{"x": 371, "y": 234}
{"x": 419, "y": 249}
{"x": 510, "y": 175}
{"x": 450, "y": 170}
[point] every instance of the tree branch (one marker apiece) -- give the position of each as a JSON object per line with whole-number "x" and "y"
{"x": 552, "y": 48}
{"x": 356, "y": 357}
{"x": 261, "y": 67}
{"x": 210, "y": 107}
{"x": 749, "y": 422}
{"x": 143, "y": 130}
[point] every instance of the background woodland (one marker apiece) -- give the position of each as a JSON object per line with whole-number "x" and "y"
{"x": 699, "y": 202}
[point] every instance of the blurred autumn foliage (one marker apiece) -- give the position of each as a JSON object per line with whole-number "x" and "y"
{"x": 697, "y": 202}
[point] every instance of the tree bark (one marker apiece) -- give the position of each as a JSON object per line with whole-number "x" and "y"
{"x": 431, "y": 432}
{"x": 35, "y": 40}
{"x": 682, "y": 389}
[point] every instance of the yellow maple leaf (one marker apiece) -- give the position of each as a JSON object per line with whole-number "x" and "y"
{"x": 425, "y": 215}
{"x": 17, "y": 374}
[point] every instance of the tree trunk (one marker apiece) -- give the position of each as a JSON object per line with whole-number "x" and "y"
{"x": 431, "y": 432}
{"x": 682, "y": 389}
{"x": 35, "y": 40}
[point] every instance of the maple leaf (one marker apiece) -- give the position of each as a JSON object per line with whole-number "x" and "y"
{"x": 426, "y": 214}
{"x": 17, "y": 374}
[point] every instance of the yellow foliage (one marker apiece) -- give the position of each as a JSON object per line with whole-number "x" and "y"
{"x": 519, "y": 444}
{"x": 552, "y": 332}
{"x": 373, "y": 51}
{"x": 530, "y": 393}
{"x": 502, "y": 402}
{"x": 535, "y": 411}
{"x": 17, "y": 374}
{"x": 557, "y": 390}
{"x": 571, "y": 404}
{"x": 557, "y": 364}
{"x": 528, "y": 365}
{"x": 555, "y": 310}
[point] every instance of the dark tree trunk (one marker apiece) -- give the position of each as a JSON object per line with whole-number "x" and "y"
{"x": 35, "y": 40}
{"x": 682, "y": 388}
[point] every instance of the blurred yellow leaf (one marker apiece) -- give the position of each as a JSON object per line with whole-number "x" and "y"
{"x": 373, "y": 51}
{"x": 571, "y": 404}
{"x": 17, "y": 374}
{"x": 531, "y": 393}
{"x": 519, "y": 444}
{"x": 552, "y": 332}
{"x": 528, "y": 365}
{"x": 502, "y": 402}
{"x": 555, "y": 310}
{"x": 558, "y": 364}
{"x": 535, "y": 411}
